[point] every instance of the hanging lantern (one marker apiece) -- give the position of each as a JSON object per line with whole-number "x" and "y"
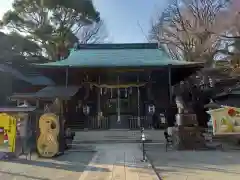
{"x": 100, "y": 114}
{"x": 162, "y": 118}
{"x": 86, "y": 110}
{"x": 151, "y": 109}
{"x": 211, "y": 84}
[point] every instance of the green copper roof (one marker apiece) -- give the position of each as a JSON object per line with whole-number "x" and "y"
{"x": 116, "y": 55}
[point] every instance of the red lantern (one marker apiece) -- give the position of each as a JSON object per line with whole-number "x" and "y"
{"x": 231, "y": 112}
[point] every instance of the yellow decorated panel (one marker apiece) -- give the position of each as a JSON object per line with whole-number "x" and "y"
{"x": 47, "y": 142}
{"x": 226, "y": 120}
{"x": 8, "y": 128}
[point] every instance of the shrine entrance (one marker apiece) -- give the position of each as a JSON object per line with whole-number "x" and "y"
{"x": 120, "y": 109}
{"x": 121, "y": 103}
{"x": 118, "y": 105}
{"x": 120, "y": 83}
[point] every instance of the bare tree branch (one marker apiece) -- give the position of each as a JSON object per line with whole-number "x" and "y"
{"x": 188, "y": 29}
{"x": 95, "y": 33}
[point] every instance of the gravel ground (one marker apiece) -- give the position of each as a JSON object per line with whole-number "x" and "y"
{"x": 194, "y": 165}
{"x": 66, "y": 167}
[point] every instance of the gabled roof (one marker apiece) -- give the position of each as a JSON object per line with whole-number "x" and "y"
{"x": 117, "y": 55}
{"x": 34, "y": 79}
{"x": 49, "y": 92}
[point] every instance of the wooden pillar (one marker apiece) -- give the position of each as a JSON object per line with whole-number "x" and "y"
{"x": 170, "y": 83}
{"x": 99, "y": 102}
{"x": 67, "y": 74}
{"x": 138, "y": 104}
{"x": 170, "y": 109}
{"x": 118, "y": 101}
{"x": 18, "y": 102}
{"x": 37, "y": 103}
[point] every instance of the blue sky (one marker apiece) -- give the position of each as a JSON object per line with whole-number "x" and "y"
{"x": 121, "y": 17}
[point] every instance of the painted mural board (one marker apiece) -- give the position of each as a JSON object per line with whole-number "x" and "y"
{"x": 225, "y": 120}
{"x": 3, "y": 141}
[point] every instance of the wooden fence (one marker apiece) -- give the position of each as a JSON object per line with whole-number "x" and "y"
{"x": 94, "y": 123}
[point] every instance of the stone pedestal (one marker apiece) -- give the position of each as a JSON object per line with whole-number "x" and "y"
{"x": 188, "y": 138}
{"x": 187, "y": 134}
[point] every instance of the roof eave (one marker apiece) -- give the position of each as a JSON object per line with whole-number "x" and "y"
{"x": 188, "y": 65}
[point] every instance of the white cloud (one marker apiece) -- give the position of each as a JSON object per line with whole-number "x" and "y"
{"x": 5, "y": 6}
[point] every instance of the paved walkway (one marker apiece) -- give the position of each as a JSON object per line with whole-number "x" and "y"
{"x": 67, "y": 167}
{"x": 119, "y": 162}
{"x": 195, "y": 165}
{"x": 110, "y": 162}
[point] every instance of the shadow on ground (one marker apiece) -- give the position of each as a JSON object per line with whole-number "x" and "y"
{"x": 70, "y": 161}
{"x": 194, "y": 162}
{"x": 22, "y": 175}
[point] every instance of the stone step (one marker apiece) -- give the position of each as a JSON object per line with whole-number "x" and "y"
{"x": 77, "y": 126}
{"x": 117, "y": 136}
{"x": 113, "y": 141}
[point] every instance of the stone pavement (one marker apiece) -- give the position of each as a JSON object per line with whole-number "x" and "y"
{"x": 110, "y": 162}
{"x": 68, "y": 166}
{"x": 121, "y": 162}
{"x": 194, "y": 165}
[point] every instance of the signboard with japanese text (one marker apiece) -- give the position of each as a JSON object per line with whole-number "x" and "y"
{"x": 225, "y": 120}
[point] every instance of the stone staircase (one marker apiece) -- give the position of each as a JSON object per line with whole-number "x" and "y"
{"x": 117, "y": 136}
{"x": 77, "y": 125}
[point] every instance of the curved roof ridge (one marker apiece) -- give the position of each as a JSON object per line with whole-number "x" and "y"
{"x": 119, "y": 46}
{"x": 117, "y": 55}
